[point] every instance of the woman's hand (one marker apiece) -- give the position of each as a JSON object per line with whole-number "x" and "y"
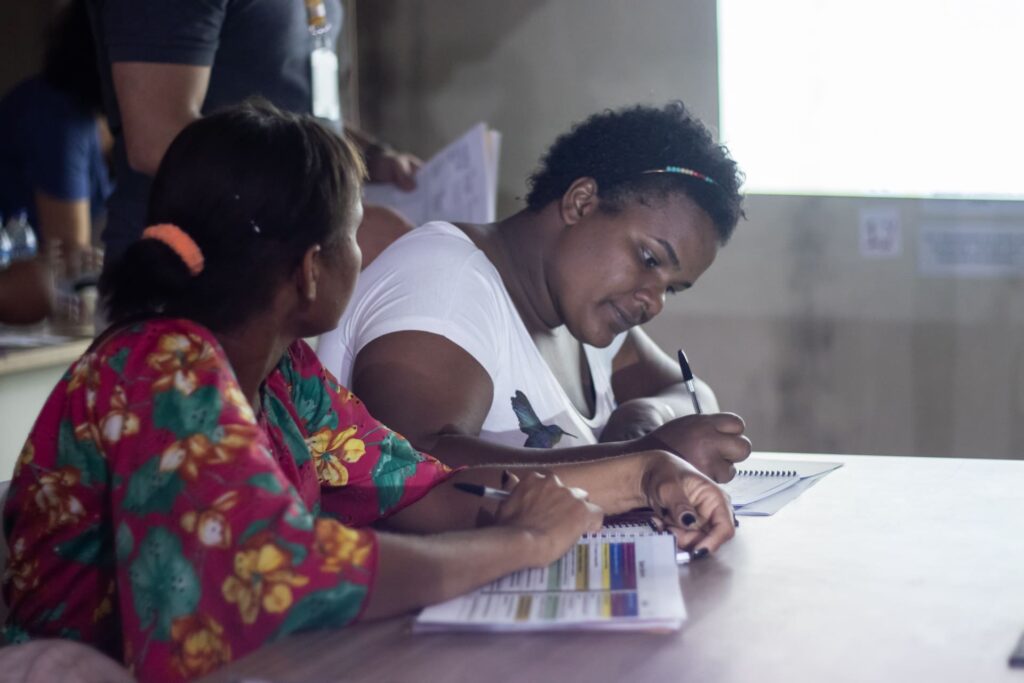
{"x": 553, "y": 515}
{"x": 386, "y": 165}
{"x": 687, "y": 503}
{"x": 711, "y": 443}
{"x": 635, "y": 418}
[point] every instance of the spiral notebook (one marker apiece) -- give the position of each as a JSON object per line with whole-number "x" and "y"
{"x": 622, "y": 578}
{"x": 758, "y": 479}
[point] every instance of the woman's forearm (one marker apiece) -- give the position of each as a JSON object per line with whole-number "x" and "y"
{"x": 458, "y": 450}
{"x": 615, "y": 484}
{"x": 415, "y": 571}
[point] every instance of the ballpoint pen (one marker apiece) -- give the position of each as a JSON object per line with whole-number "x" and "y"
{"x": 684, "y": 367}
{"x": 483, "y": 491}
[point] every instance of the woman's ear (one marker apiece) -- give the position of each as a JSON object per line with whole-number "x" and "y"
{"x": 579, "y": 201}
{"x": 309, "y": 274}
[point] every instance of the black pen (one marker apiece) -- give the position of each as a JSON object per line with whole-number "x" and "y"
{"x": 483, "y": 491}
{"x": 684, "y": 367}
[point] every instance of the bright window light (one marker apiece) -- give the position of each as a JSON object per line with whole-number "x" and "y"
{"x": 912, "y": 98}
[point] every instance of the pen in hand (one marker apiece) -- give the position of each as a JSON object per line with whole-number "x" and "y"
{"x": 483, "y": 491}
{"x": 684, "y": 367}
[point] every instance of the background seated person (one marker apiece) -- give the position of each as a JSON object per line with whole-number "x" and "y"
{"x": 54, "y": 139}
{"x": 526, "y": 332}
{"x": 199, "y": 485}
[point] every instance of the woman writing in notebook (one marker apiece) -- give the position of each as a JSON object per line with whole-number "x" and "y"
{"x": 525, "y": 334}
{"x": 198, "y": 485}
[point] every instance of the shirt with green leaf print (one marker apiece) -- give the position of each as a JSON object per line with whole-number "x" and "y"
{"x": 153, "y": 515}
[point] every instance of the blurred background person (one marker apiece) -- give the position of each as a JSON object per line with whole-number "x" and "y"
{"x": 54, "y": 139}
{"x": 165, "y": 63}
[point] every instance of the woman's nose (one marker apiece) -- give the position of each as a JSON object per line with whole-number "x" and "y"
{"x": 652, "y": 299}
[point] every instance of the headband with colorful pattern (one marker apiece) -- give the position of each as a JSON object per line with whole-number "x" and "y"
{"x": 683, "y": 171}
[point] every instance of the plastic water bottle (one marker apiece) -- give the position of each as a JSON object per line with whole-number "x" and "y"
{"x": 23, "y": 238}
{"x": 5, "y": 248}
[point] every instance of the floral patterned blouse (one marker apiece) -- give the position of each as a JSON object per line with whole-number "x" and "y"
{"x": 154, "y": 516}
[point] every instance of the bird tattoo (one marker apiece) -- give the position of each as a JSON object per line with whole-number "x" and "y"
{"x": 537, "y": 435}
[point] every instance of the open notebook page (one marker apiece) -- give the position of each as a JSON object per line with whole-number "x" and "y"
{"x": 619, "y": 579}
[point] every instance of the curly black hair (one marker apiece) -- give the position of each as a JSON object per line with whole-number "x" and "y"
{"x": 615, "y": 148}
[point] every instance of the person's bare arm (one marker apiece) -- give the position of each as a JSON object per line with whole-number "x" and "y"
{"x": 156, "y": 101}
{"x": 535, "y": 526}
{"x": 649, "y": 390}
{"x": 437, "y": 395}
{"x": 66, "y": 220}
{"x": 674, "y": 490}
{"x": 384, "y": 163}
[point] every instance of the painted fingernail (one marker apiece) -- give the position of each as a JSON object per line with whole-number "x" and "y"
{"x": 504, "y": 478}
{"x": 736, "y": 521}
{"x": 689, "y": 519}
{"x": 700, "y": 553}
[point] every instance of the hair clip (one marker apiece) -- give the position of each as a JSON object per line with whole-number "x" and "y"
{"x": 683, "y": 171}
{"x": 180, "y": 242}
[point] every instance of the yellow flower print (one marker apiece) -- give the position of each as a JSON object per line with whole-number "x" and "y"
{"x": 84, "y": 374}
{"x": 119, "y": 421}
{"x": 234, "y": 396}
{"x": 341, "y": 546}
{"x": 178, "y": 360}
{"x": 87, "y": 431}
{"x": 210, "y": 526}
{"x": 199, "y": 645}
{"x": 21, "y": 574}
{"x": 52, "y": 495}
{"x": 189, "y": 455}
{"x": 325, "y": 445}
{"x": 263, "y": 576}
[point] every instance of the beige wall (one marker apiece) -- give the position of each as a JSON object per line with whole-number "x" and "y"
{"x": 819, "y": 348}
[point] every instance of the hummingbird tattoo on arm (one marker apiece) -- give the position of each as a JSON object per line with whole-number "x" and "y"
{"x": 537, "y": 435}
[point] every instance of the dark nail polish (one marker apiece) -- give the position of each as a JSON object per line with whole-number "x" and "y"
{"x": 736, "y": 521}
{"x": 689, "y": 519}
{"x": 700, "y": 553}
{"x": 504, "y": 478}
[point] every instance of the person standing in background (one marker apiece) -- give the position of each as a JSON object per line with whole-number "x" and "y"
{"x": 166, "y": 63}
{"x": 54, "y": 138}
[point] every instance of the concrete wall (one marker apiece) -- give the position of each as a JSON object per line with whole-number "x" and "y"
{"x": 817, "y": 347}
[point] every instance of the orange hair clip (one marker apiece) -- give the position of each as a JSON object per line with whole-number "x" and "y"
{"x": 180, "y": 241}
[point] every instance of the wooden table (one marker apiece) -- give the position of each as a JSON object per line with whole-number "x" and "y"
{"x": 889, "y": 569}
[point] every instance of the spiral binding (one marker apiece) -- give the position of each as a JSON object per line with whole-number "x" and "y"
{"x": 767, "y": 473}
{"x": 625, "y": 531}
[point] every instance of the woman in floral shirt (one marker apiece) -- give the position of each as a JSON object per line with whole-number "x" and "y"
{"x": 198, "y": 485}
